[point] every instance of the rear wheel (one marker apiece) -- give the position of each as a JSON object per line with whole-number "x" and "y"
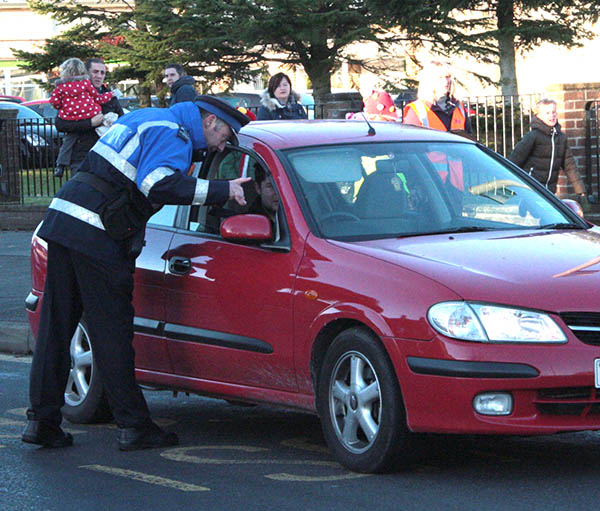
{"x": 85, "y": 401}
{"x": 360, "y": 404}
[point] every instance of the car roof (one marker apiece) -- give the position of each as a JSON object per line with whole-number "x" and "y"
{"x": 14, "y": 99}
{"x": 24, "y": 112}
{"x": 36, "y": 102}
{"x": 289, "y": 134}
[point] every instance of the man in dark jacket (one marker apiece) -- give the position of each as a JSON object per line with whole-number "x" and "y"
{"x": 142, "y": 162}
{"x": 182, "y": 85}
{"x": 545, "y": 150}
{"x": 86, "y": 128}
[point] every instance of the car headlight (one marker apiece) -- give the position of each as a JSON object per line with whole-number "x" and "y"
{"x": 470, "y": 321}
{"x": 35, "y": 140}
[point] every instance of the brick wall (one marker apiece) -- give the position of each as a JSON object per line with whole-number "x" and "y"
{"x": 571, "y": 100}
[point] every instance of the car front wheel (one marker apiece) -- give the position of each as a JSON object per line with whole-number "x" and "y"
{"x": 85, "y": 401}
{"x": 360, "y": 404}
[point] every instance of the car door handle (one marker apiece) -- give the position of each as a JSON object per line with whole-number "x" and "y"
{"x": 180, "y": 265}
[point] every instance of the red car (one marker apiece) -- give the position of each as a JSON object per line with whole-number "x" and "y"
{"x": 410, "y": 281}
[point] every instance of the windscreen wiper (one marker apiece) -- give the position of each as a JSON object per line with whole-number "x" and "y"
{"x": 456, "y": 230}
{"x": 560, "y": 225}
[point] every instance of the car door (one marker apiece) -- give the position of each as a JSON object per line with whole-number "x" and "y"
{"x": 149, "y": 296}
{"x": 229, "y": 305}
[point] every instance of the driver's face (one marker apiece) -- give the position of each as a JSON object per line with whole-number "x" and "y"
{"x": 216, "y": 134}
{"x": 268, "y": 196}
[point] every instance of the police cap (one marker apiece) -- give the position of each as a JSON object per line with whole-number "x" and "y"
{"x": 223, "y": 110}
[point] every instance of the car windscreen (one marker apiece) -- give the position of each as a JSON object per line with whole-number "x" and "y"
{"x": 380, "y": 190}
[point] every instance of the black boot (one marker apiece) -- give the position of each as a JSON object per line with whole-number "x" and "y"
{"x": 145, "y": 437}
{"x": 45, "y": 434}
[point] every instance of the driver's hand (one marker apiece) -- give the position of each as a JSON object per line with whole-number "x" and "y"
{"x": 236, "y": 192}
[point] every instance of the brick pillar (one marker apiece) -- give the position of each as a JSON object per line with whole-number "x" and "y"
{"x": 570, "y": 100}
{"x": 10, "y": 176}
{"x": 336, "y": 106}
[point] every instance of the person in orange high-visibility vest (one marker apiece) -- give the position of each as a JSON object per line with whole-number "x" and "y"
{"x": 437, "y": 108}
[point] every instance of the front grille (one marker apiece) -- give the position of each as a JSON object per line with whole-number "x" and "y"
{"x": 580, "y": 401}
{"x": 584, "y": 325}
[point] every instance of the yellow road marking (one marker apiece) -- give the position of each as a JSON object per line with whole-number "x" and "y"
{"x": 305, "y": 445}
{"x": 313, "y": 479}
{"x": 146, "y": 478}
{"x": 14, "y": 358}
{"x": 182, "y": 454}
{"x": 21, "y": 412}
{"x": 10, "y": 422}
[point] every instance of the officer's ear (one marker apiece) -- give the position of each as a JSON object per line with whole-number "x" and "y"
{"x": 209, "y": 121}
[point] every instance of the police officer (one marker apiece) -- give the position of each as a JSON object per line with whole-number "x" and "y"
{"x": 91, "y": 228}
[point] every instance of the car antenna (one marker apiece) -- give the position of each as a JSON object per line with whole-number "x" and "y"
{"x": 371, "y": 131}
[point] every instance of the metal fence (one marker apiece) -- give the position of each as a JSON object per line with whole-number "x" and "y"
{"x": 592, "y": 147}
{"x": 28, "y": 152}
{"x": 499, "y": 122}
{"x": 28, "y": 148}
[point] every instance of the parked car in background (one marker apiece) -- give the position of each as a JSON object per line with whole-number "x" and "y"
{"x": 245, "y": 99}
{"x": 308, "y": 102}
{"x": 42, "y": 107}
{"x": 39, "y": 139}
{"x": 129, "y": 103}
{"x": 12, "y": 99}
{"x": 411, "y": 280}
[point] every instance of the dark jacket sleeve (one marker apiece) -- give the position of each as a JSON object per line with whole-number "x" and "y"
{"x": 264, "y": 114}
{"x": 302, "y": 112}
{"x": 113, "y": 106}
{"x": 522, "y": 150}
{"x": 570, "y": 168}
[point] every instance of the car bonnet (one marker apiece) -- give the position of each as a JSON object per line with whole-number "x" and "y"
{"x": 548, "y": 270}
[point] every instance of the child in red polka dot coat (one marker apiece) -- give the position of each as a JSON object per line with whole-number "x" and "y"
{"x": 76, "y": 99}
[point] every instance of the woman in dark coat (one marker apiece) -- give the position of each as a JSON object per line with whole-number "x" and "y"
{"x": 279, "y": 101}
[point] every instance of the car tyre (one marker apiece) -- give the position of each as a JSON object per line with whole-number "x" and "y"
{"x": 360, "y": 403}
{"x": 85, "y": 401}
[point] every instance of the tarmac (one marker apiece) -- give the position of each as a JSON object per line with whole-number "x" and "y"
{"x": 15, "y": 285}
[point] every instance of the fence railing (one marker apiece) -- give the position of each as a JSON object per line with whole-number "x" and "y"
{"x": 28, "y": 153}
{"x": 29, "y": 148}
{"x": 592, "y": 148}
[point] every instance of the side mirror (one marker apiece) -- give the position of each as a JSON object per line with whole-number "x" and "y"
{"x": 574, "y": 206}
{"x": 250, "y": 228}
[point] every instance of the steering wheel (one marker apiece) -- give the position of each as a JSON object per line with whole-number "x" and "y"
{"x": 341, "y": 215}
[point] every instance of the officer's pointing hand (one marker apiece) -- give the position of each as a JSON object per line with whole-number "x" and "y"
{"x": 236, "y": 191}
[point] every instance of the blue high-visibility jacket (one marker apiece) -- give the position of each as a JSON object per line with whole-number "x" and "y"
{"x": 151, "y": 148}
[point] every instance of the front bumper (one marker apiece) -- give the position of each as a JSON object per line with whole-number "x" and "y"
{"x": 552, "y": 386}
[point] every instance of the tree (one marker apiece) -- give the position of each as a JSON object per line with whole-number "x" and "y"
{"x": 220, "y": 41}
{"x": 140, "y": 37}
{"x": 314, "y": 34}
{"x": 494, "y": 30}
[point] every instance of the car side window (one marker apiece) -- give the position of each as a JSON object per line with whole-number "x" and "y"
{"x": 165, "y": 216}
{"x": 233, "y": 164}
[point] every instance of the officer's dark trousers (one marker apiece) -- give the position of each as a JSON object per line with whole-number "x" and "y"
{"x": 76, "y": 284}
